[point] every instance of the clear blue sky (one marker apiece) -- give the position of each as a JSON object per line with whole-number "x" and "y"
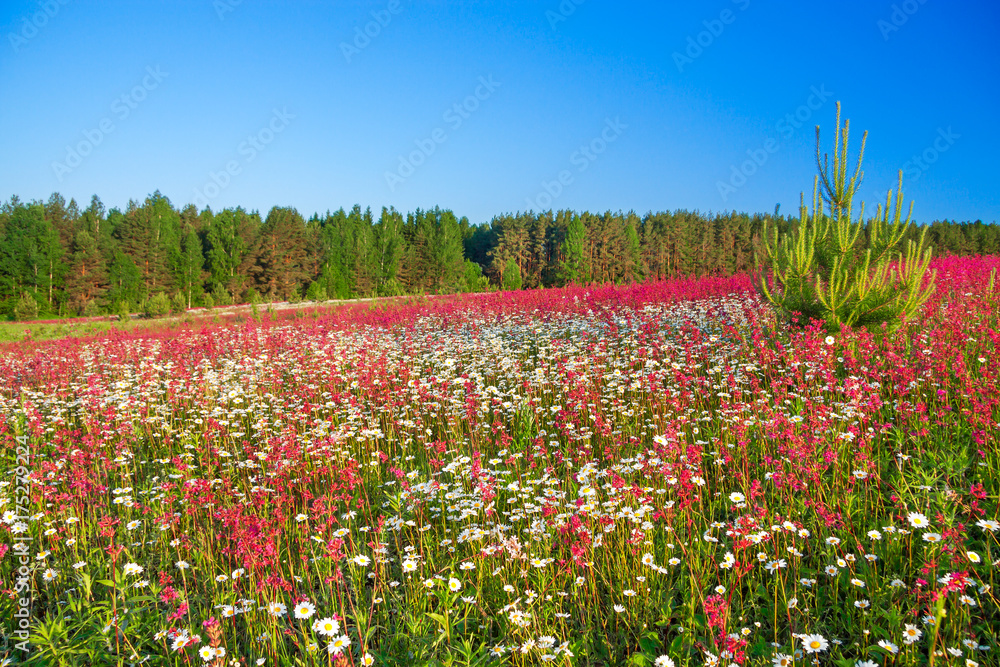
{"x": 201, "y": 78}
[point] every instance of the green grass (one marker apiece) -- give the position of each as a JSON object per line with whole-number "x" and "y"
{"x": 18, "y": 331}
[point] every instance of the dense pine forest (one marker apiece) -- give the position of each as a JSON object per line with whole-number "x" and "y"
{"x": 58, "y": 260}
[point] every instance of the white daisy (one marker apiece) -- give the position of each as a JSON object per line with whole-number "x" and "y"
{"x": 304, "y": 610}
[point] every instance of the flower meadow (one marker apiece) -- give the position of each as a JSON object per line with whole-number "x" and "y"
{"x": 655, "y": 474}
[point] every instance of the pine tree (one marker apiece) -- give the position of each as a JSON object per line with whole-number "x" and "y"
{"x": 190, "y": 267}
{"x": 632, "y": 270}
{"x": 86, "y": 279}
{"x": 434, "y": 260}
{"x": 389, "y": 249}
{"x": 511, "y": 276}
{"x": 63, "y": 218}
{"x": 473, "y": 279}
{"x": 513, "y": 241}
{"x": 449, "y": 263}
{"x": 573, "y": 266}
{"x": 360, "y": 245}
{"x": 150, "y": 235}
{"x": 538, "y": 249}
{"x": 125, "y": 284}
{"x": 279, "y": 258}
{"x": 30, "y": 255}
{"x": 333, "y": 233}
{"x": 230, "y": 235}
{"x": 822, "y": 271}
{"x": 92, "y": 220}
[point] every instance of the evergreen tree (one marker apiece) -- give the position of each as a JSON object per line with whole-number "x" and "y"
{"x": 478, "y": 242}
{"x": 230, "y": 235}
{"x": 220, "y": 296}
{"x": 513, "y": 242}
{"x": 63, "y": 218}
{"x": 361, "y": 249}
{"x": 389, "y": 249}
{"x": 448, "y": 261}
{"x": 511, "y": 276}
{"x": 158, "y": 305}
{"x": 434, "y": 262}
{"x": 94, "y": 221}
{"x": 334, "y": 238}
{"x": 278, "y": 262}
{"x": 189, "y": 274}
{"x": 538, "y": 255}
{"x": 150, "y": 235}
{"x": 573, "y": 268}
{"x": 30, "y": 255}
{"x": 632, "y": 270}
{"x": 25, "y": 308}
{"x": 151, "y": 247}
{"x": 125, "y": 284}
{"x": 473, "y": 279}
{"x": 822, "y": 272}
{"x": 87, "y": 277}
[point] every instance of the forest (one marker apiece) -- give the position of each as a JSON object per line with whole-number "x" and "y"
{"x": 57, "y": 260}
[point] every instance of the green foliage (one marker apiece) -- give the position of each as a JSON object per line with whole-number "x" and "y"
{"x": 26, "y": 308}
{"x": 86, "y": 277}
{"x": 391, "y": 287}
{"x": 125, "y": 280}
{"x": 511, "y": 276}
{"x": 90, "y": 308}
{"x": 828, "y": 269}
{"x": 123, "y": 311}
{"x": 572, "y": 268}
{"x": 388, "y": 249}
{"x": 230, "y": 234}
{"x": 178, "y": 303}
{"x": 158, "y": 305}
{"x": 435, "y": 260}
{"x": 474, "y": 280}
{"x": 632, "y": 266}
{"x": 65, "y": 258}
{"x": 150, "y": 235}
{"x": 220, "y": 296}
{"x": 188, "y": 272}
{"x": 207, "y": 301}
{"x": 278, "y": 262}
{"x": 316, "y": 292}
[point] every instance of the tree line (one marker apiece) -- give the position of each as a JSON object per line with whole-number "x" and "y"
{"x": 58, "y": 260}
